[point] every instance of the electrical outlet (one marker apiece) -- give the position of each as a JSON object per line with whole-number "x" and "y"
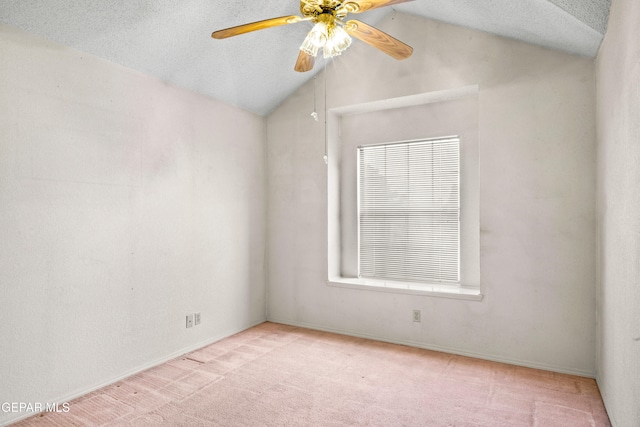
{"x": 196, "y": 319}
{"x": 416, "y": 316}
{"x": 189, "y": 320}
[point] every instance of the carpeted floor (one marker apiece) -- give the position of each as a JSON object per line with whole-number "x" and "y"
{"x": 276, "y": 375}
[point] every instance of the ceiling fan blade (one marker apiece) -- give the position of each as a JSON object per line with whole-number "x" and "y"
{"x": 378, "y": 39}
{"x": 359, "y": 6}
{"x": 254, "y": 26}
{"x": 304, "y": 63}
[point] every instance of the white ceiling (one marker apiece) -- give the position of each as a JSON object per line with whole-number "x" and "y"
{"x": 172, "y": 39}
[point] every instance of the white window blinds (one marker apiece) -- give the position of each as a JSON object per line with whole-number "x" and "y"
{"x": 409, "y": 210}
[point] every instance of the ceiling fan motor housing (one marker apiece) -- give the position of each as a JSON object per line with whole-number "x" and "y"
{"x": 337, "y": 8}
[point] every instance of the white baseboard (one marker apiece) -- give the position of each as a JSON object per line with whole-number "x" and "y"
{"x": 78, "y": 393}
{"x": 451, "y": 350}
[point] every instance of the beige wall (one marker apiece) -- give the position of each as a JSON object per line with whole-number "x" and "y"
{"x": 618, "y": 348}
{"x": 537, "y": 200}
{"x": 125, "y": 204}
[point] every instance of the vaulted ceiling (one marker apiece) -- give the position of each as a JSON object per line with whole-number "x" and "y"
{"x": 172, "y": 39}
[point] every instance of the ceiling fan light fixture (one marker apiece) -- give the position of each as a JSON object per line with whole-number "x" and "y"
{"x": 337, "y": 42}
{"x": 327, "y": 35}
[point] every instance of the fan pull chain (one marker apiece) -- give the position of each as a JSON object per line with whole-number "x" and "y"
{"x": 315, "y": 90}
{"x": 326, "y": 154}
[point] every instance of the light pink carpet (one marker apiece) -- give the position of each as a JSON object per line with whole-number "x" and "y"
{"x": 276, "y": 375}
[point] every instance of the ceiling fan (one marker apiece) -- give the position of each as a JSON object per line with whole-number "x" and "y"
{"x": 330, "y": 32}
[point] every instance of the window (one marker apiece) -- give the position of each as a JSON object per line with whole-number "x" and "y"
{"x": 453, "y": 245}
{"x": 409, "y": 211}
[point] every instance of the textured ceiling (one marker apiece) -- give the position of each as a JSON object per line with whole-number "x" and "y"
{"x": 171, "y": 40}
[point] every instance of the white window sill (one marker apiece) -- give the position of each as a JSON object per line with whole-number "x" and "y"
{"x": 434, "y": 290}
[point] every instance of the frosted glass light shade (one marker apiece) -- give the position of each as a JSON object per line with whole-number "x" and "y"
{"x": 316, "y": 39}
{"x": 337, "y": 42}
